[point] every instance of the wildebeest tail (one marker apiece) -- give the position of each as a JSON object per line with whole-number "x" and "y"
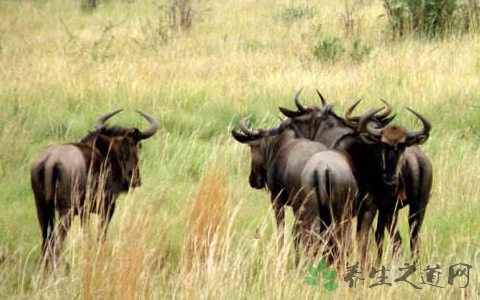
{"x": 322, "y": 189}
{"x": 51, "y": 176}
{"x": 322, "y": 186}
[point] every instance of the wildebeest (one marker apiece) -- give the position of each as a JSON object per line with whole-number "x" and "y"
{"x": 406, "y": 177}
{"x": 79, "y": 178}
{"x": 317, "y": 183}
{"x": 414, "y": 182}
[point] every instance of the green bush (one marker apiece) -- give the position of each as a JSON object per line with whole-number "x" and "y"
{"x": 359, "y": 50}
{"x": 297, "y": 12}
{"x": 329, "y": 50}
{"x": 430, "y": 18}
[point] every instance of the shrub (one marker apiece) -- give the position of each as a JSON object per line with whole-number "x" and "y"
{"x": 329, "y": 50}
{"x": 430, "y": 18}
{"x": 359, "y": 50}
{"x": 332, "y": 50}
{"x": 181, "y": 14}
{"x": 297, "y": 12}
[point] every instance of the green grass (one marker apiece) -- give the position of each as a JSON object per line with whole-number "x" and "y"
{"x": 60, "y": 68}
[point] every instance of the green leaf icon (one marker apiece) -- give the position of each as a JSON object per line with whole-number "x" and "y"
{"x": 330, "y": 286}
{"x": 310, "y": 281}
{"x": 321, "y": 265}
{"x": 329, "y": 275}
{"x": 313, "y": 271}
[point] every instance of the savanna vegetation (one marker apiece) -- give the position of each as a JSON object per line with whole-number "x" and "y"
{"x": 195, "y": 229}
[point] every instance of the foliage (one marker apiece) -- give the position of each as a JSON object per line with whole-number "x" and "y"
{"x": 199, "y": 83}
{"x": 431, "y": 18}
{"x": 329, "y": 50}
{"x": 88, "y": 5}
{"x": 359, "y": 50}
{"x": 181, "y": 14}
{"x": 297, "y": 12}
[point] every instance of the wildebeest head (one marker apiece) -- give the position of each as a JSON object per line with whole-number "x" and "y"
{"x": 322, "y": 124}
{"x": 259, "y": 140}
{"x": 390, "y": 142}
{"x": 310, "y": 121}
{"x": 123, "y": 146}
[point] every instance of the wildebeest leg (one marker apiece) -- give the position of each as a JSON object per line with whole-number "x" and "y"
{"x": 393, "y": 232}
{"x": 310, "y": 224}
{"x": 415, "y": 221}
{"x": 107, "y": 215}
{"x": 342, "y": 244}
{"x": 45, "y": 215}
{"x": 279, "y": 210}
{"x": 46, "y": 219}
{"x": 47, "y": 223}
{"x": 305, "y": 227}
{"x": 296, "y": 233}
{"x": 380, "y": 233}
{"x": 364, "y": 223}
{"x": 64, "y": 223}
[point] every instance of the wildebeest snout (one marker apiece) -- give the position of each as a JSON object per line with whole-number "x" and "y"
{"x": 390, "y": 181}
{"x": 133, "y": 179}
{"x": 257, "y": 181}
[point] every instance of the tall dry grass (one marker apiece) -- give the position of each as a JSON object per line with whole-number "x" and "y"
{"x": 61, "y": 67}
{"x": 206, "y": 218}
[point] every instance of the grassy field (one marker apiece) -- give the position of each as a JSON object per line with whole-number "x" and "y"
{"x": 195, "y": 229}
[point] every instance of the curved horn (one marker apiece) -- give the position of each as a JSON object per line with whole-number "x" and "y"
{"x": 297, "y": 101}
{"x": 387, "y": 120}
{"x": 278, "y": 130}
{"x": 290, "y": 113}
{"x": 412, "y": 135}
{"x": 352, "y": 121}
{"x": 322, "y": 99}
{"x": 364, "y": 121}
{"x": 244, "y": 128}
{"x": 153, "y": 126}
{"x": 388, "y": 110}
{"x": 100, "y": 123}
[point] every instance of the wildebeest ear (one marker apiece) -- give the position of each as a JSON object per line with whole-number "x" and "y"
{"x": 418, "y": 140}
{"x": 290, "y": 113}
{"x": 241, "y": 138}
{"x": 135, "y": 134}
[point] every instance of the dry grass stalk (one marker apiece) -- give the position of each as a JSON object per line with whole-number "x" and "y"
{"x": 203, "y": 235}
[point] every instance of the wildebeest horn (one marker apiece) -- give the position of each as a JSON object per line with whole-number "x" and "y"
{"x": 365, "y": 120}
{"x": 352, "y": 121}
{"x": 100, "y": 123}
{"x": 153, "y": 126}
{"x": 388, "y": 110}
{"x": 420, "y": 135}
{"x": 290, "y": 113}
{"x": 278, "y": 130}
{"x": 322, "y": 99}
{"x": 244, "y": 128}
{"x": 263, "y": 132}
{"x": 297, "y": 101}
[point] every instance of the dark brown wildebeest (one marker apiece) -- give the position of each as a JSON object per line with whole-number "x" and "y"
{"x": 79, "y": 178}
{"x": 406, "y": 175}
{"x": 414, "y": 183}
{"x": 317, "y": 183}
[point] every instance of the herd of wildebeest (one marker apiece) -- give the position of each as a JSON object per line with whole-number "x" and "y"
{"x": 329, "y": 169}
